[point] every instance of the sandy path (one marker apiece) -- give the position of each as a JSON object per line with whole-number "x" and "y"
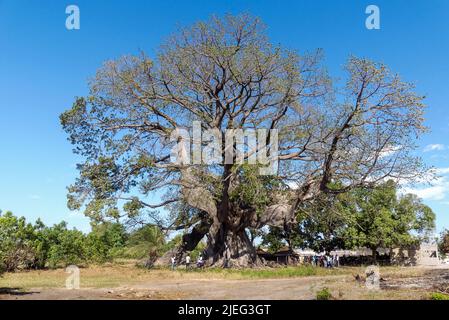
{"x": 293, "y": 288}
{"x": 341, "y": 286}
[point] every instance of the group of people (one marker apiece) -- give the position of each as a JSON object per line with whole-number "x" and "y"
{"x": 325, "y": 260}
{"x": 199, "y": 262}
{"x": 322, "y": 260}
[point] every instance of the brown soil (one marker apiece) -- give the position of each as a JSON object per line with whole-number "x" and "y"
{"x": 415, "y": 284}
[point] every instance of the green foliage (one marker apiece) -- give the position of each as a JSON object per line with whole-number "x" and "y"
{"x": 174, "y": 242}
{"x": 443, "y": 243}
{"x": 273, "y": 239}
{"x": 323, "y": 221}
{"x": 372, "y": 221}
{"x": 267, "y": 273}
{"x": 363, "y": 217}
{"x": 25, "y": 246}
{"x": 439, "y": 296}
{"x": 66, "y": 246}
{"x": 21, "y": 243}
{"x": 194, "y": 254}
{"x": 379, "y": 218}
{"x": 133, "y": 207}
{"x": 324, "y": 294}
{"x": 254, "y": 190}
{"x": 276, "y": 238}
{"x": 105, "y": 241}
{"x": 145, "y": 241}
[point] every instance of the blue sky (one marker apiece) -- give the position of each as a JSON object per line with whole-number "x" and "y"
{"x": 43, "y": 66}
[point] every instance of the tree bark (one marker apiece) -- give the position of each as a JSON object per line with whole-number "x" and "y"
{"x": 374, "y": 255}
{"x": 189, "y": 242}
{"x": 228, "y": 247}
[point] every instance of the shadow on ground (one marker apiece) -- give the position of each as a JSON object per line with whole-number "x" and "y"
{"x": 15, "y": 292}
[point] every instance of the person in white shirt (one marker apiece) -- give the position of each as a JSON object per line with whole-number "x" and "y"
{"x": 200, "y": 262}
{"x": 173, "y": 263}
{"x": 187, "y": 261}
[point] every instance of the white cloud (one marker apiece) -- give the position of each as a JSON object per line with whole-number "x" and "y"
{"x": 34, "y": 197}
{"x": 434, "y": 147}
{"x": 441, "y": 171}
{"x": 389, "y": 151}
{"x": 437, "y": 191}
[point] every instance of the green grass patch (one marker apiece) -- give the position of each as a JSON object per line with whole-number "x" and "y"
{"x": 266, "y": 273}
{"x": 439, "y": 296}
{"x": 324, "y": 294}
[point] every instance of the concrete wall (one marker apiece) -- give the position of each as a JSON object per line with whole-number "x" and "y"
{"x": 423, "y": 255}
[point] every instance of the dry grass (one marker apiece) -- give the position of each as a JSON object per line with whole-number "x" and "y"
{"x": 340, "y": 281}
{"x": 110, "y": 276}
{"x": 126, "y": 273}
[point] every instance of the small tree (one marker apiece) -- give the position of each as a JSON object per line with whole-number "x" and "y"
{"x": 379, "y": 219}
{"x": 443, "y": 243}
{"x": 66, "y": 246}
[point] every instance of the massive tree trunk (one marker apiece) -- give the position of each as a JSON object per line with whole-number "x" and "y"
{"x": 228, "y": 242}
{"x": 226, "y": 227}
{"x": 228, "y": 247}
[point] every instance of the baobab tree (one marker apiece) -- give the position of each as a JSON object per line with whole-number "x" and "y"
{"x": 226, "y": 75}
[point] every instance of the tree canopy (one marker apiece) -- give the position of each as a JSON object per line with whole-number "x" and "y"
{"x": 225, "y": 74}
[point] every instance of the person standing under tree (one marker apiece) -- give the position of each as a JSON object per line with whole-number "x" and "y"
{"x": 200, "y": 262}
{"x": 173, "y": 263}
{"x": 187, "y": 261}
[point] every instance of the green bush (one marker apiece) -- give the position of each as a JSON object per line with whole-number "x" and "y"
{"x": 439, "y": 296}
{"x": 20, "y": 245}
{"x": 145, "y": 241}
{"x": 66, "y": 246}
{"x": 35, "y": 246}
{"x": 323, "y": 294}
{"x": 105, "y": 242}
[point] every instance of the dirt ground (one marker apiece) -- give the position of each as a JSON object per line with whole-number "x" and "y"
{"x": 132, "y": 283}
